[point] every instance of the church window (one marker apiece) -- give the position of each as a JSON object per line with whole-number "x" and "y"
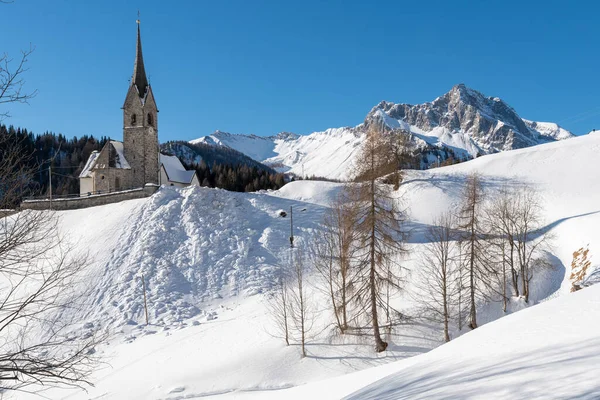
{"x": 102, "y": 177}
{"x": 133, "y": 119}
{"x": 150, "y": 119}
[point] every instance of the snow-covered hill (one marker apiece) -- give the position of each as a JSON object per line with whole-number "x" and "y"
{"x": 462, "y": 121}
{"x": 208, "y": 255}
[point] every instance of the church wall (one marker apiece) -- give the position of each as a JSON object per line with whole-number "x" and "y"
{"x": 111, "y": 179}
{"x": 86, "y": 185}
{"x": 89, "y": 201}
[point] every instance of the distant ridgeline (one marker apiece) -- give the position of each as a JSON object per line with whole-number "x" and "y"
{"x": 223, "y": 167}
{"x": 233, "y": 171}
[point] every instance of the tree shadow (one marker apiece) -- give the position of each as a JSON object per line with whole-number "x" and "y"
{"x": 543, "y": 373}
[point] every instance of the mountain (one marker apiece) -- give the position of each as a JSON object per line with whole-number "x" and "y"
{"x": 466, "y": 119}
{"x": 209, "y": 257}
{"x": 461, "y": 124}
{"x": 194, "y": 153}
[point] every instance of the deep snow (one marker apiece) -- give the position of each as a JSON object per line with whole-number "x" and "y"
{"x": 208, "y": 255}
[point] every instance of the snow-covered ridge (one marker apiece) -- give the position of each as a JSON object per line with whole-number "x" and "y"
{"x": 462, "y": 120}
{"x": 195, "y": 245}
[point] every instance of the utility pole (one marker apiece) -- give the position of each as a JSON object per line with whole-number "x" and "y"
{"x": 50, "y": 181}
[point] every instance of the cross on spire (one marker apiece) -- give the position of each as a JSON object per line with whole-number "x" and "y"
{"x": 139, "y": 73}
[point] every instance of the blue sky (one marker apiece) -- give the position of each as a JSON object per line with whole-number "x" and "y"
{"x": 264, "y": 67}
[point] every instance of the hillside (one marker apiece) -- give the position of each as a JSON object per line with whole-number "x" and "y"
{"x": 461, "y": 124}
{"x": 209, "y": 255}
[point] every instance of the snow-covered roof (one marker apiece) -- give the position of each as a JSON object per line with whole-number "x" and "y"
{"x": 91, "y": 162}
{"x": 120, "y": 160}
{"x": 176, "y": 172}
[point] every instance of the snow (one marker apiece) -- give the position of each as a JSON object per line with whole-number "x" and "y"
{"x": 332, "y": 153}
{"x": 256, "y": 147}
{"x": 316, "y": 192}
{"x": 176, "y": 172}
{"x": 328, "y": 154}
{"x": 120, "y": 160}
{"x": 549, "y": 130}
{"x": 209, "y": 256}
{"x": 548, "y": 351}
{"x": 89, "y": 165}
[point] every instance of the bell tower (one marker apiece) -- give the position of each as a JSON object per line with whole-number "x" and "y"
{"x": 140, "y": 125}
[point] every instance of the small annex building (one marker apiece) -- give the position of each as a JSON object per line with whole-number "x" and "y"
{"x": 173, "y": 173}
{"x": 136, "y": 161}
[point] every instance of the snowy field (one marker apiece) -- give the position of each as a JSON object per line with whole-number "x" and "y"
{"x": 209, "y": 256}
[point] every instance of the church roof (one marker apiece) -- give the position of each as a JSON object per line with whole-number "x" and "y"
{"x": 176, "y": 172}
{"x": 91, "y": 163}
{"x": 139, "y": 78}
{"x": 116, "y": 158}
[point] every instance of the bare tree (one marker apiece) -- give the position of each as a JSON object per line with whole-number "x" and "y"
{"x": 38, "y": 274}
{"x": 436, "y": 287}
{"x": 515, "y": 230}
{"x": 379, "y": 227}
{"x": 529, "y": 235}
{"x": 300, "y": 309}
{"x": 469, "y": 222}
{"x": 334, "y": 251}
{"x": 278, "y": 307}
{"x": 12, "y": 80}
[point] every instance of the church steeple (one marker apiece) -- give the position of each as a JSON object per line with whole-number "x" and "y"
{"x": 139, "y": 73}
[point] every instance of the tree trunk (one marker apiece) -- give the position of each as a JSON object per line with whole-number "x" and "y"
{"x": 380, "y": 345}
{"x": 445, "y": 294}
{"x": 515, "y": 276}
{"x": 504, "y": 297}
{"x": 473, "y": 311}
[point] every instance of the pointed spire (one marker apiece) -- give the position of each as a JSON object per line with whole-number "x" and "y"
{"x": 139, "y": 73}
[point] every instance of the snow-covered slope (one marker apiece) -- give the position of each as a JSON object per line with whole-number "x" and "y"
{"x": 208, "y": 254}
{"x": 550, "y": 351}
{"x": 463, "y": 121}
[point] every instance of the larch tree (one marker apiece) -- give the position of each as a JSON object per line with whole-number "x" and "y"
{"x": 469, "y": 221}
{"x": 379, "y": 228}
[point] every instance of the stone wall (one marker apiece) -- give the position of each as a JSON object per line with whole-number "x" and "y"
{"x": 89, "y": 201}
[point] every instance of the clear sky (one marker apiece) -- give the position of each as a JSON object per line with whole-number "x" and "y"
{"x": 263, "y": 67}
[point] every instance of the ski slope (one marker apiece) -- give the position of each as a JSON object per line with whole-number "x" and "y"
{"x": 209, "y": 256}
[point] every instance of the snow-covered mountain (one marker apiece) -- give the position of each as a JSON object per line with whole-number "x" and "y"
{"x": 462, "y": 123}
{"x": 208, "y": 256}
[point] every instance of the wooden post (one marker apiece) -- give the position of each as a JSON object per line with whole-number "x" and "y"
{"x": 145, "y": 303}
{"x": 50, "y": 181}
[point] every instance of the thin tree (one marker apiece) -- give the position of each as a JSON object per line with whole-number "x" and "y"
{"x": 278, "y": 305}
{"x": 529, "y": 235}
{"x": 437, "y": 270}
{"x": 333, "y": 252}
{"x": 379, "y": 227}
{"x": 470, "y": 224}
{"x": 300, "y": 309}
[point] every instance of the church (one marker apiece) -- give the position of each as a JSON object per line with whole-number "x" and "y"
{"x": 136, "y": 161}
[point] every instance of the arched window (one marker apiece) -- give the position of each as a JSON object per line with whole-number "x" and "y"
{"x": 150, "y": 119}
{"x": 133, "y": 119}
